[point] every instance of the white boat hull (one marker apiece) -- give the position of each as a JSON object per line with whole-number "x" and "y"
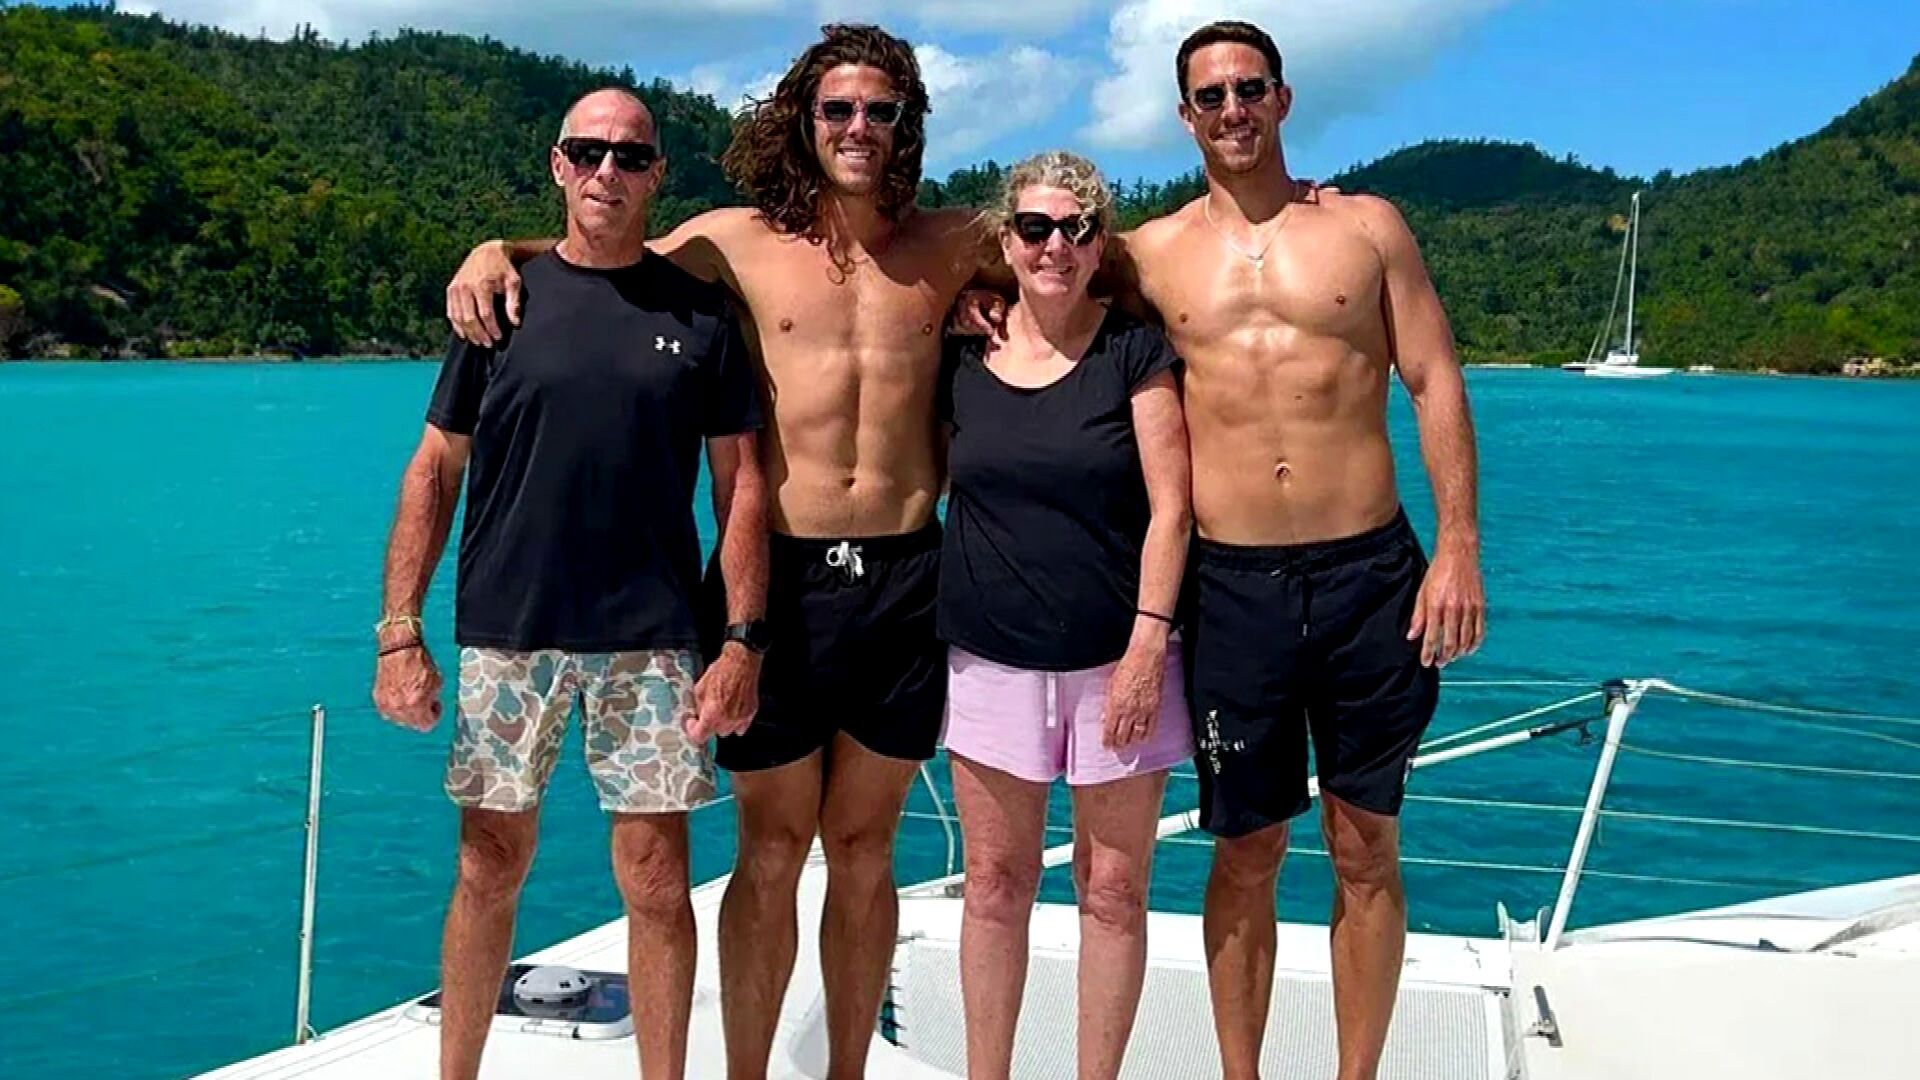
{"x": 1626, "y": 371}
{"x": 1813, "y": 985}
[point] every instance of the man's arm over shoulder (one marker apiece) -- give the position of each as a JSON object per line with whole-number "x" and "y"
{"x": 1130, "y": 257}
{"x": 963, "y": 240}
{"x": 488, "y": 275}
{"x": 706, "y": 245}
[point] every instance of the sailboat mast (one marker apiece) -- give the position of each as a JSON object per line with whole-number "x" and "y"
{"x": 1633, "y": 266}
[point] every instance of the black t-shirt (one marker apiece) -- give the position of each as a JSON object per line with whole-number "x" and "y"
{"x": 587, "y": 426}
{"x": 1047, "y": 510}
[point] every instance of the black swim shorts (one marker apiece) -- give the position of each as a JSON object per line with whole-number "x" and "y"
{"x": 1306, "y": 638}
{"x": 853, "y": 649}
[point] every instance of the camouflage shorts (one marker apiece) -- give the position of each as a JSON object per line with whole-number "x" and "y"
{"x": 514, "y": 708}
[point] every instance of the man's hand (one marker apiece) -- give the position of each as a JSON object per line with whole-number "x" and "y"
{"x": 979, "y": 313}
{"x": 727, "y": 695}
{"x": 406, "y": 688}
{"x": 486, "y": 273}
{"x": 1133, "y": 695}
{"x": 1450, "y": 617}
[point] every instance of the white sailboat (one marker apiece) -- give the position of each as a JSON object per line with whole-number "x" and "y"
{"x": 1622, "y": 362}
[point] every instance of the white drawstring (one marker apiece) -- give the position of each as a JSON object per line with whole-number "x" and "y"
{"x": 845, "y": 557}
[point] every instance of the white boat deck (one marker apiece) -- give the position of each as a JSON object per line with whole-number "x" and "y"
{"x": 1826, "y": 984}
{"x": 399, "y": 1044}
{"x": 1802, "y": 987}
{"x": 1447, "y": 1025}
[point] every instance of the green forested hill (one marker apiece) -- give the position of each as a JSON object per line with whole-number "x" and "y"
{"x": 171, "y": 187}
{"x": 166, "y": 189}
{"x": 1797, "y": 260}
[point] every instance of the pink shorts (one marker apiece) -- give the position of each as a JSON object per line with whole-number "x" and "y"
{"x": 1037, "y": 725}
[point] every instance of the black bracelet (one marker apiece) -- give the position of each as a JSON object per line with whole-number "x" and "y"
{"x": 1168, "y": 619}
{"x": 389, "y": 650}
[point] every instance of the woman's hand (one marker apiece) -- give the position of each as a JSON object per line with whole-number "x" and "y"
{"x": 1133, "y": 694}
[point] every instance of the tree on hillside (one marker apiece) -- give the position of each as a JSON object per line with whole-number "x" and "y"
{"x": 184, "y": 190}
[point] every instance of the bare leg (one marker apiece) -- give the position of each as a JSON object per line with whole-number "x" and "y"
{"x": 864, "y": 795}
{"x": 1003, "y": 821}
{"x": 778, "y": 813}
{"x": 650, "y": 866}
{"x": 1239, "y": 931}
{"x": 1369, "y": 930}
{"x": 496, "y": 849}
{"x": 1113, "y": 834}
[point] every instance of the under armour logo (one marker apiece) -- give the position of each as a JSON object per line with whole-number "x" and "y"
{"x": 661, "y": 344}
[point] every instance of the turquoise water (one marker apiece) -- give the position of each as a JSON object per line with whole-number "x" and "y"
{"x": 190, "y": 557}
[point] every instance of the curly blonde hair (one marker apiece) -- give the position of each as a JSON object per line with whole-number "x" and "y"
{"x": 1062, "y": 169}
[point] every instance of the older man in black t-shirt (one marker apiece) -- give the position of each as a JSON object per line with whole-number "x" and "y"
{"x": 578, "y": 570}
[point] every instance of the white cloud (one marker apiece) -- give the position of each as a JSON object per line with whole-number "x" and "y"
{"x": 1341, "y": 56}
{"x": 353, "y": 19}
{"x": 729, "y": 84}
{"x": 643, "y": 33}
{"x": 977, "y": 16}
{"x": 979, "y": 99}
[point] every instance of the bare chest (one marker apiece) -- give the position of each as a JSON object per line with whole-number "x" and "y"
{"x": 1315, "y": 281}
{"x": 803, "y": 300}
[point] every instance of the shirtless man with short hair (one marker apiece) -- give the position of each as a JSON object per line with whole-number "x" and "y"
{"x": 845, "y": 293}
{"x": 1314, "y": 605}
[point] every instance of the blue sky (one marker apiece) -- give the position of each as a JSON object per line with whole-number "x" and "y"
{"x": 1640, "y": 85}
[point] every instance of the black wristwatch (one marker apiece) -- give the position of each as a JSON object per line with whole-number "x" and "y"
{"x": 753, "y": 634}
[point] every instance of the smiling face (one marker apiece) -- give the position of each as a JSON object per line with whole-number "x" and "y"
{"x": 854, "y": 144}
{"x": 604, "y": 200}
{"x": 1054, "y": 267}
{"x": 1234, "y": 107}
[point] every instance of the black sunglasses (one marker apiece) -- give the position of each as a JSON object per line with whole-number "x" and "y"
{"x": 1035, "y": 228}
{"x": 627, "y": 156}
{"x": 881, "y": 113}
{"x": 1250, "y": 91}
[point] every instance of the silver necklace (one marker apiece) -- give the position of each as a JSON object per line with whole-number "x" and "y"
{"x": 1257, "y": 258}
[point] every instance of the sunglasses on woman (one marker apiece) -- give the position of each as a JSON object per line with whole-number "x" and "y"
{"x": 1248, "y": 91}
{"x": 881, "y": 113}
{"x": 630, "y": 157}
{"x": 1033, "y": 227}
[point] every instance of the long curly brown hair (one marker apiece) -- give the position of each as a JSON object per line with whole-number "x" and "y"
{"x": 772, "y": 157}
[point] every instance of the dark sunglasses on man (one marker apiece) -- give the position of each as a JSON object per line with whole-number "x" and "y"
{"x": 879, "y": 113}
{"x": 630, "y": 157}
{"x": 1033, "y": 227}
{"x": 1249, "y": 91}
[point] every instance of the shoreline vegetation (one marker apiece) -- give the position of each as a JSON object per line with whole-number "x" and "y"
{"x": 183, "y": 193}
{"x": 1853, "y": 369}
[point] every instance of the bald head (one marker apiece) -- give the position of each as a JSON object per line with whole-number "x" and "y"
{"x": 615, "y": 114}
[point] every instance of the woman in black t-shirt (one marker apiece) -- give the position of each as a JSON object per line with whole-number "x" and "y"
{"x": 1066, "y": 536}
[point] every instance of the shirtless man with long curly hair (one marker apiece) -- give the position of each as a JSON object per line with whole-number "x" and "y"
{"x": 845, "y": 288}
